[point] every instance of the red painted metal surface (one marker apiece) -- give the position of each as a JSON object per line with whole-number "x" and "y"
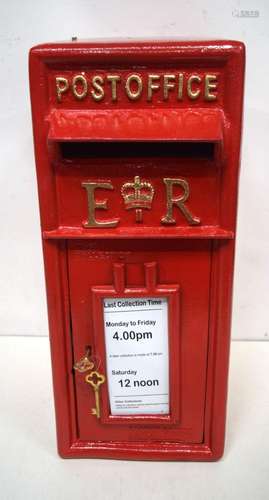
{"x": 81, "y": 138}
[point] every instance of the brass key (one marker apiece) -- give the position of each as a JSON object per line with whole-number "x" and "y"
{"x": 95, "y": 379}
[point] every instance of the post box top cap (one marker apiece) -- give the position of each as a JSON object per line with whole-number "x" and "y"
{"x": 134, "y": 45}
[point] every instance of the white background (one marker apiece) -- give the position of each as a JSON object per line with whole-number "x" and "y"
{"x": 29, "y": 22}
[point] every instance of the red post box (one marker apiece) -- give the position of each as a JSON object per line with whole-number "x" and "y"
{"x": 137, "y": 152}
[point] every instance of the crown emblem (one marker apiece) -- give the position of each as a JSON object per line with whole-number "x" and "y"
{"x": 137, "y": 195}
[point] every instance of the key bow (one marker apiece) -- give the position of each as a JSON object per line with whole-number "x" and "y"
{"x": 85, "y": 363}
{"x": 95, "y": 379}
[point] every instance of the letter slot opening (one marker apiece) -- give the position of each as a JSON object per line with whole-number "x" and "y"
{"x": 71, "y": 150}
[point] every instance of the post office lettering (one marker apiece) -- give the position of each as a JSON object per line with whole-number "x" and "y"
{"x": 151, "y": 87}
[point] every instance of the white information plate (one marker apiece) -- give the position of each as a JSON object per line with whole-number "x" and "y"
{"x": 136, "y": 337}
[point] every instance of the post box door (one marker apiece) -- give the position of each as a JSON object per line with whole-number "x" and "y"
{"x": 182, "y": 268}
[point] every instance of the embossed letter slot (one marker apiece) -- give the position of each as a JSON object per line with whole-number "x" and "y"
{"x": 107, "y": 149}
